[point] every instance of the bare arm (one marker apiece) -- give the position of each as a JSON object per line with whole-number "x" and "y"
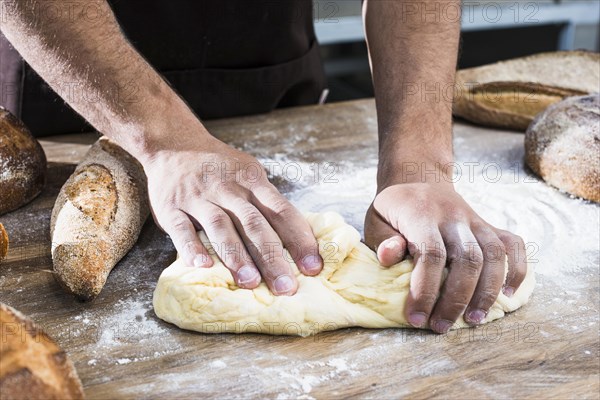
{"x": 413, "y": 48}
{"x": 248, "y": 220}
{"x": 85, "y": 57}
{"x": 413, "y": 58}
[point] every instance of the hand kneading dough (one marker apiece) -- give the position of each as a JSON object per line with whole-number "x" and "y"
{"x": 352, "y": 290}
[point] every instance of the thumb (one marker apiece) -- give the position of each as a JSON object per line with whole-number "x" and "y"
{"x": 389, "y": 244}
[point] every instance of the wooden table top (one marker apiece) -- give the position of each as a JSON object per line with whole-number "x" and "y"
{"x": 548, "y": 349}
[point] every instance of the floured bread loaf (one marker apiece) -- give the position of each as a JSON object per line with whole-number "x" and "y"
{"x": 562, "y": 146}
{"x": 22, "y": 164}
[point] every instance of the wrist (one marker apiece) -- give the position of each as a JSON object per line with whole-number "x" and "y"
{"x": 417, "y": 171}
{"x": 170, "y": 127}
{"x": 417, "y": 163}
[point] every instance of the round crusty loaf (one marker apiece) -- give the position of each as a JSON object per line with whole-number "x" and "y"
{"x": 32, "y": 365}
{"x": 3, "y": 243}
{"x": 562, "y": 145}
{"x": 22, "y": 164}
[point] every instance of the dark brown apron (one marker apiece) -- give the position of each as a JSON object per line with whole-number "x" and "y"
{"x": 224, "y": 57}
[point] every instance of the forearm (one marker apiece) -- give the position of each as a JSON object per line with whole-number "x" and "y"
{"x": 413, "y": 49}
{"x": 89, "y": 62}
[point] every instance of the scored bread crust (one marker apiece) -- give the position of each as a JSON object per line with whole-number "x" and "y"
{"x": 22, "y": 164}
{"x": 32, "y": 365}
{"x": 508, "y": 94}
{"x": 97, "y": 218}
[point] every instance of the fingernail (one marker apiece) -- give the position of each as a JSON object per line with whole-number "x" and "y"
{"x": 312, "y": 263}
{"x": 391, "y": 244}
{"x": 476, "y": 316}
{"x": 246, "y": 274}
{"x": 283, "y": 284}
{"x": 442, "y": 326}
{"x": 417, "y": 319}
{"x": 508, "y": 291}
{"x": 201, "y": 260}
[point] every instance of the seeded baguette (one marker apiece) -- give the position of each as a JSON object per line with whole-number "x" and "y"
{"x": 97, "y": 218}
{"x": 32, "y": 365}
{"x": 509, "y": 94}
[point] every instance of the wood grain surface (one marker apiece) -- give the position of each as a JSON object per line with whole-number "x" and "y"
{"x": 548, "y": 349}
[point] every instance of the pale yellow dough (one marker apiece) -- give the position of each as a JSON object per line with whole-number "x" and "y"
{"x": 352, "y": 290}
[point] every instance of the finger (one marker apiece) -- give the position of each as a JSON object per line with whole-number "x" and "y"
{"x": 517, "y": 261}
{"x": 291, "y": 227}
{"x": 491, "y": 277}
{"x": 465, "y": 262}
{"x": 427, "y": 248}
{"x": 183, "y": 234}
{"x": 228, "y": 245}
{"x": 389, "y": 244}
{"x": 264, "y": 245}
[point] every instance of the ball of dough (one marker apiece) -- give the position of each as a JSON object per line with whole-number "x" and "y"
{"x": 22, "y": 164}
{"x": 562, "y": 146}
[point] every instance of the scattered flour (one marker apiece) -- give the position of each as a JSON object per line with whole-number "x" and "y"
{"x": 217, "y": 364}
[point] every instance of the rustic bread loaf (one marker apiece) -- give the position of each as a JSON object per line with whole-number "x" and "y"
{"x": 22, "y": 164}
{"x": 509, "y": 94}
{"x": 562, "y": 146}
{"x": 32, "y": 365}
{"x": 97, "y": 218}
{"x": 3, "y": 243}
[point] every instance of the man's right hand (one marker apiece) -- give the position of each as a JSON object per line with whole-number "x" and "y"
{"x": 195, "y": 181}
{"x": 207, "y": 184}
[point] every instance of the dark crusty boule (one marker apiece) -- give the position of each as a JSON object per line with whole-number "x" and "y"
{"x": 562, "y": 146}
{"x": 33, "y": 366}
{"x": 22, "y": 164}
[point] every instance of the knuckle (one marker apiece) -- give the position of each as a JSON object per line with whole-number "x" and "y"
{"x": 434, "y": 254}
{"x": 479, "y": 226}
{"x": 509, "y": 237}
{"x": 488, "y": 295}
{"x": 516, "y": 275}
{"x": 217, "y": 220}
{"x": 472, "y": 260}
{"x": 426, "y": 299}
{"x": 267, "y": 258}
{"x": 452, "y": 309}
{"x": 281, "y": 208}
{"x": 189, "y": 246}
{"x": 178, "y": 225}
{"x": 251, "y": 218}
{"x": 494, "y": 250}
{"x": 224, "y": 188}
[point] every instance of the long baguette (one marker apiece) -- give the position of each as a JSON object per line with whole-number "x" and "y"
{"x": 97, "y": 218}
{"x": 509, "y": 94}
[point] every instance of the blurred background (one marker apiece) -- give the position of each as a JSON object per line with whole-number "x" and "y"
{"x": 491, "y": 31}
